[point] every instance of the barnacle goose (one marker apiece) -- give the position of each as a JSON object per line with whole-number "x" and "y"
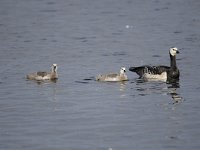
{"x": 164, "y": 73}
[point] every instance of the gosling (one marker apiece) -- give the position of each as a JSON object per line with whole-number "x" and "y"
{"x": 42, "y": 75}
{"x": 113, "y": 77}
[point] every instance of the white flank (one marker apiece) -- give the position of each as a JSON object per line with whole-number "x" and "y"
{"x": 155, "y": 77}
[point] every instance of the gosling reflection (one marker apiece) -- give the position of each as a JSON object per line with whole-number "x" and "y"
{"x": 44, "y": 82}
{"x": 122, "y": 89}
{"x": 122, "y": 86}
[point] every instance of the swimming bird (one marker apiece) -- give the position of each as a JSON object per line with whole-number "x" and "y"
{"x": 113, "y": 77}
{"x": 41, "y": 75}
{"x": 164, "y": 73}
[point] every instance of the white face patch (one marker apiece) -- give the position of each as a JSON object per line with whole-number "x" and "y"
{"x": 54, "y": 67}
{"x": 122, "y": 70}
{"x": 173, "y": 51}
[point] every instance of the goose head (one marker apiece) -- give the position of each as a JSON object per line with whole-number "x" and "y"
{"x": 54, "y": 67}
{"x": 122, "y": 70}
{"x": 173, "y": 51}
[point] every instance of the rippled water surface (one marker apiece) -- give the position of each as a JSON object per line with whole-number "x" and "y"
{"x": 85, "y": 38}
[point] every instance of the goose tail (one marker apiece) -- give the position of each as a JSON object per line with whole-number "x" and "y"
{"x": 138, "y": 70}
{"x": 133, "y": 69}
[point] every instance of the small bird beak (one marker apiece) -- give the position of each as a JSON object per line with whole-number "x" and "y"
{"x": 177, "y": 52}
{"x": 124, "y": 70}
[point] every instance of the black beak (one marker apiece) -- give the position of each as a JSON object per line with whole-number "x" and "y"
{"x": 177, "y": 52}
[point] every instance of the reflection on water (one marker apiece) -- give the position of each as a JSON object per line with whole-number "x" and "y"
{"x": 55, "y": 101}
{"x": 146, "y": 88}
{"x": 39, "y": 82}
{"x": 177, "y": 98}
{"x": 150, "y": 87}
{"x": 122, "y": 88}
{"x": 173, "y": 92}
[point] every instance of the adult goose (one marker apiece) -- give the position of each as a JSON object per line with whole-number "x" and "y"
{"x": 113, "y": 77}
{"x": 163, "y": 73}
{"x": 41, "y": 75}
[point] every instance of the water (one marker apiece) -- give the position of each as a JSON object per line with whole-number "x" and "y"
{"x": 85, "y": 38}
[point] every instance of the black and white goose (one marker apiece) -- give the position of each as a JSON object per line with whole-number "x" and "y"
{"x": 163, "y": 73}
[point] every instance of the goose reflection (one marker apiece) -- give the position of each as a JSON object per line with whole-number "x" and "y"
{"x": 146, "y": 88}
{"x": 177, "y": 98}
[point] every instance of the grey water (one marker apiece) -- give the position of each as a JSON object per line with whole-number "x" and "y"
{"x": 85, "y": 38}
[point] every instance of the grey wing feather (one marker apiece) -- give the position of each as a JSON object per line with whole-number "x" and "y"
{"x": 42, "y": 73}
{"x": 112, "y": 75}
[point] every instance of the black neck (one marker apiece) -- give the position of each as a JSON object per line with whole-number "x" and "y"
{"x": 172, "y": 61}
